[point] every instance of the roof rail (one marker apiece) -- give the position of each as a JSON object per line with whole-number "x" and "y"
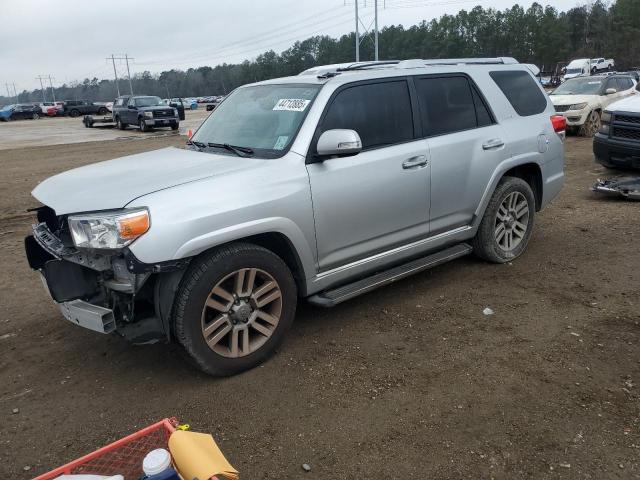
{"x": 470, "y": 61}
{"x": 363, "y": 65}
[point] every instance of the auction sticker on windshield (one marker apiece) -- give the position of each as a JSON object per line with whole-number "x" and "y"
{"x": 292, "y": 104}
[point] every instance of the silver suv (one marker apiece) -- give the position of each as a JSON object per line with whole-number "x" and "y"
{"x": 321, "y": 186}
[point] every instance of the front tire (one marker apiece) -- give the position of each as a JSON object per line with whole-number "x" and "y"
{"x": 119, "y": 124}
{"x": 233, "y": 308}
{"x": 175, "y": 126}
{"x": 74, "y": 113}
{"x": 508, "y": 221}
{"x": 591, "y": 125}
{"x": 143, "y": 126}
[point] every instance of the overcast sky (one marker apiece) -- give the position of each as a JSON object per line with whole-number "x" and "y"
{"x": 70, "y": 39}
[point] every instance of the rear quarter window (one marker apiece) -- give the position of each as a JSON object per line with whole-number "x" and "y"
{"x": 521, "y": 90}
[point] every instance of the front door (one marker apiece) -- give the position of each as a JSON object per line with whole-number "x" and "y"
{"x": 378, "y": 199}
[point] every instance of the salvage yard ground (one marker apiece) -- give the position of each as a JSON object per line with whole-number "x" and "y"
{"x": 412, "y": 381}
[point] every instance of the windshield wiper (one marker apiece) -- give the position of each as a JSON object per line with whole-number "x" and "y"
{"x": 196, "y": 143}
{"x": 240, "y": 151}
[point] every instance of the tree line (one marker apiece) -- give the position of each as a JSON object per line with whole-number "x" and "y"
{"x": 538, "y": 34}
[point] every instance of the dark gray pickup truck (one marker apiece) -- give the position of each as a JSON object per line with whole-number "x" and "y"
{"x": 145, "y": 111}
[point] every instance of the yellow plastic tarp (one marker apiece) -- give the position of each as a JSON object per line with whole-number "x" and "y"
{"x": 196, "y": 456}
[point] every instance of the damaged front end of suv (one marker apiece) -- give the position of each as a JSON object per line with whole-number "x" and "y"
{"x": 95, "y": 279}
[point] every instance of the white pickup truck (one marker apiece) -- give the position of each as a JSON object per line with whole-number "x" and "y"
{"x": 599, "y": 65}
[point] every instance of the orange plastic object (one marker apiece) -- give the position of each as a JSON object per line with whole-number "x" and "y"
{"x": 123, "y": 456}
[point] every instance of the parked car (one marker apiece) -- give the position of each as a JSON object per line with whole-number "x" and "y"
{"x": 617, "y": 143}
{"x": 20, "y": 111}
{"x": 577, "y": 68}
{"x": 75, "y": 108}
{"x": 599, "y": 65}
{"x": 145, "y": 111}
{"x": 48, "y": 108}
{"x": 321, "y": 186}
{"x": 582, "y": 100}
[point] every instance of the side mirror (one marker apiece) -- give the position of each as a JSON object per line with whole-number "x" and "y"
{"x": 339, "y": 142}
{"x": 131, "y": 107}
{"x": 610, "y": 91}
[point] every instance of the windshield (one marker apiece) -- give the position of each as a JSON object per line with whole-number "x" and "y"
{"x": 265, "y": 118}
{"x": 8, "y": 107}
{"x": 148, "y": 101}
{"x": 579, "y": 86}
{"x": 574, "y": 70}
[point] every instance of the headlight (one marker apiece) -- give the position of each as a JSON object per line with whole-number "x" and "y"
{"x": 108, "y": 230}
{"x": 148, "y": 114}
{"x": 605, "y": 124}
{"x": 175, "y": 112}
{"x": 578, "y": 106}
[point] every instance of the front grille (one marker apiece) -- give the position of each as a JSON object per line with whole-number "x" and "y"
{"x": 628, "y": 133}
{"x": 627, "y": 119}
{"x": 162, "y": 113}
{"x": 562, "y": 108}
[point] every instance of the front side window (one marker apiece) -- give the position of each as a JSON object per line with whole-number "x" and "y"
{"x": 263, "y": 118}
{"x": 447, "y": 105}
{"x": 521, "y": 90}
{"x": 380, "y": 113}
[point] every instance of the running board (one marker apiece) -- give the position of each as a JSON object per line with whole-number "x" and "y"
{"x": 330, "y": 298}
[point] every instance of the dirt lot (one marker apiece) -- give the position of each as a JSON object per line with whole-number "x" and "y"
{"x": 65, "y": 130}
{"x": 409, "y": 382}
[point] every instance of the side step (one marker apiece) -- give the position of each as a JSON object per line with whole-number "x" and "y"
{"x": 330, "y": 298}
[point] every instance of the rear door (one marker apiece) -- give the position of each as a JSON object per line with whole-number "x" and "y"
{"x": 465, "y": 143}
{"x": 378, "y": 199}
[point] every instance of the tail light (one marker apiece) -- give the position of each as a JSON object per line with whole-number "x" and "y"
{"x": 559, "y": 123}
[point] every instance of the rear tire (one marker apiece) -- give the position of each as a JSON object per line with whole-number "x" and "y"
{"x": 506, "y": 226}
{"x": 238, "y": 330}
{"x": 74, "y": 113}
{"x": 102, "y": 111}
{"x": 35, "y": 116}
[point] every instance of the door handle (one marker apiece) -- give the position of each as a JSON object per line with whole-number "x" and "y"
{"x": 493, "y": 143}
{"x": 419, "y": 161}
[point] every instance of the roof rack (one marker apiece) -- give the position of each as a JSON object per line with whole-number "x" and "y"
{"x": 363, "y": 65}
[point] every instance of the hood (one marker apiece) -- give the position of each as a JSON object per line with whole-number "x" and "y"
{"x": 573, "y": 99}
{"x": 115, "y": 183}
{"x": 629, "y": 104}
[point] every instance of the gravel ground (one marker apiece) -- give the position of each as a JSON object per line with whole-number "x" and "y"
{"x": 412, "y": 381}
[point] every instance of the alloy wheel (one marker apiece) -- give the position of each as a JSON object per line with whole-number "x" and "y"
{"x": 593, "y": 123}
{"x": 241, "y": 312}
{"x": 512, "y": 221}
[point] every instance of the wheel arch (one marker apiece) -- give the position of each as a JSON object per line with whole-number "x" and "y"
{"x": 532, "y": 174}
{"x": 529, "y": 171}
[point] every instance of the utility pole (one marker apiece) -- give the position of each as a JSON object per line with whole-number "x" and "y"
{"x": 40, "y": 77}
{"x": 53, "y": 93}
{"x": 129, "y": 73}
{"x": 376, "y": 28}
{"x": 357, "y": 33}
{"x": 115, "y": 72}
{"x": 367, "y": 30}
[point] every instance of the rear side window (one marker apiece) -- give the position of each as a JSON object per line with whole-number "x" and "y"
{"x": 522, "y": 91}
{"x": 379, "y": 112}
{"x": 450, "y": 104}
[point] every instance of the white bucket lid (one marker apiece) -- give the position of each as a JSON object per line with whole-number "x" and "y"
{"x": 156, "y": 461}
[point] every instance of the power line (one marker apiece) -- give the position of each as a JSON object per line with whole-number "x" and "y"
{"x": 303, "y": 23}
